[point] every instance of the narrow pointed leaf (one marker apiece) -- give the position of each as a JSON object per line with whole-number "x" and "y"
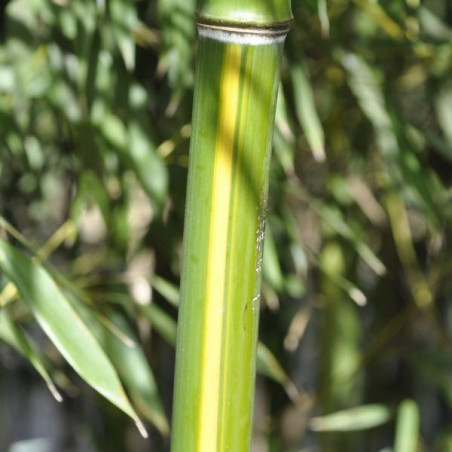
{"x": 148, "y": 165}
{"x": 270, "y": 267}
{"x": 137, "y": 376}
{"x": 353, "y": 419}
{"x": 335, "y": 220}
{"x": 178, "y": 32}
{"x": 307, "y": 112}
{"x": 124, "y": 17}
{"x": 161, "y": 322}
{"x": 402, "y": 164}
{"x": 443, "y": 106}
{"x": 407, "y": 427}
{"x": 268, "y": 365}
{"x": 16, "y": 338}
{"x": 129, "y": 360}
{"x": 169, "y": 291}
{"x": 433, "y": 25}
{"x": 63, "y": 326}
{"x": 380, "y": 17}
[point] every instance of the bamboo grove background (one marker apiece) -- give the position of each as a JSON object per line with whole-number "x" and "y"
{"x": 356, "y": 315}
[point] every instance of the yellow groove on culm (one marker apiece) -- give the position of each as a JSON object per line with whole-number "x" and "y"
{"x": 218, "y": 242}
{"x": 238, "y": 191}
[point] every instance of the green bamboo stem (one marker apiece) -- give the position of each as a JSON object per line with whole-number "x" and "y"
{"x": 240, "y": 47}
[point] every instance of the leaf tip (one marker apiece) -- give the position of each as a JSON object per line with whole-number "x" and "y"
{"x": 141, "y": 428}
{"x": 318, "y": 153}
{"x": 358, "y": 296}
{"x": 55, "y": 393}
{"x": 291, "y": 391}
{"x": 380, "y": 269}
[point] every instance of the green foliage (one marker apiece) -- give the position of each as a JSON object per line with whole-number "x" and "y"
{"x": 407, "y": 427}
{"x": 95, "y": 104}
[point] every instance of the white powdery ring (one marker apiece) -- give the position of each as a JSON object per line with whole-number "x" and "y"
{"x": 251, "y": 37}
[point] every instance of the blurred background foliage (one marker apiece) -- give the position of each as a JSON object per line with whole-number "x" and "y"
{"x": 95, "y": 105}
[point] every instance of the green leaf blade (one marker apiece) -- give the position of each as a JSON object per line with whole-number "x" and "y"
{"x": 11, "y": 334}
{"x": 307, "y": 112}
{"x": 64, "y": 327}
{"x": 407, "y": 427}
{"x": 353, "y": 419}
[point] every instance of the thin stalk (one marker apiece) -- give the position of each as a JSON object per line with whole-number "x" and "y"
{"x": 239, "y": 53}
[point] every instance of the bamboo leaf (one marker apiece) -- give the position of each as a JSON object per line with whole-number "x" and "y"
{"x": 118, "y": 339}
{"x": 31, "y": 445}
{"x": 380, "y": 17}
{"x": 346, "y": 285}
{"x": 137, "y": 376}
{"x": 283, "y": 139}
{"x": 407, "y": 427}
{"x": 114, "y": 131}
{"x": 124, "y": 16}
{"x": 270, "y": 266}
{"x": 403, "y": 166}
{"x": 365, "y": 84}
{"x": 297, "y": 327}
{"x": 442, "y": 146}
{"x": 147, "y": 164}
{"x": 322, "y": 9}
{"x": 161, "y": 322}
{"x": 307, "y": 112}
{"x": 432, "y": 25}
{"x": 16, "y": 338}
{"x": 443, "y": 106}
{"x": 334, "y": 219}
{"x": 398, "y": 217}
{"x": 136, "y": 149}
{"x": 169, "y": 291}
{"x": 178, "y": 33}
{"x": 358, "y": 418}
{"x": 268, "y": 365}
{"x": 64, "y": 327}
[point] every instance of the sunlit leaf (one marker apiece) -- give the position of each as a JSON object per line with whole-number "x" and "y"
{"x": 16, "y": 338}
{"x": 444, "y": 111}
{"x": 178, "y": 33}
{"x": 307, "y": 112}
{"x": 380, "y": 16}
{"x": 63, "y": 326}
{"x": 433, "y": 25}
{"x": 283, "y": 140}
{"x": 134, "y": 370}
{"x": 403, "y": 166}
{"x": 268, "y": 365}
{"x": 162, "y": 322}
{"x": 407, "y": 428}
{"x": 271, "y": 267}
{"x": 147, "y": 164}
{"x": 169, "y": 291}
{"x": 124, "y": 17}
{"x": 334, "y": 219}
{"x": 354, "y": 419}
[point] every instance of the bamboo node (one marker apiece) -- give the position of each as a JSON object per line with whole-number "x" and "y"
{"x": 244, "y": 34}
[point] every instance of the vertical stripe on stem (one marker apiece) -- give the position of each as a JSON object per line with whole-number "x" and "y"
{"x": 218, "y": 244}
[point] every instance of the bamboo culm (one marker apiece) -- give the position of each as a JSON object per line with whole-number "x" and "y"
{"x": 236, "y": 84}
